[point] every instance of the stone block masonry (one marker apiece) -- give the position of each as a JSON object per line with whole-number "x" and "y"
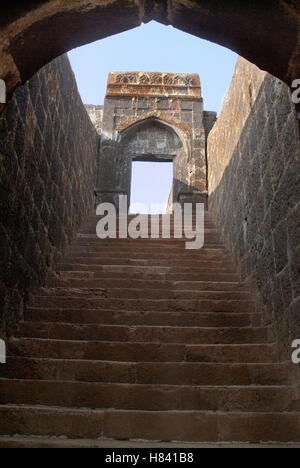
{"x": 48, "y": 28}
{"x": 48, "y": 149}
{"x": 153, "y": 117}
{"x": 96, "y": 116}
{"x": 254, "y": 190}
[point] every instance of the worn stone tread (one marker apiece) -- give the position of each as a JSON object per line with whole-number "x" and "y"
{"x": 189, "y": 426}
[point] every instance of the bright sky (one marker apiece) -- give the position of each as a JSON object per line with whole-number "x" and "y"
{"x": 151, "y": 184}
{"x": 153, "y": 47}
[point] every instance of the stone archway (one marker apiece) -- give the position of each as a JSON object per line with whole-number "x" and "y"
{"x": 163, "y": 107}
{"x": 149, "y": 139}
{"x": 265, "y": 33}
{"x": 153, "y": 140}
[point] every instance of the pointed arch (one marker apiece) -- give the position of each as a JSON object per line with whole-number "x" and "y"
{"x": 182, "y": 131}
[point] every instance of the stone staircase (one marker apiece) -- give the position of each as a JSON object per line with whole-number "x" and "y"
{"x": 142, "y": 339}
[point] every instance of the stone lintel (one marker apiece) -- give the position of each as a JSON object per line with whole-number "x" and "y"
{"x": 152, "y": 84}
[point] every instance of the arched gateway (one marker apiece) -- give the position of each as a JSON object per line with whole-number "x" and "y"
{"x": 153, "y": 117}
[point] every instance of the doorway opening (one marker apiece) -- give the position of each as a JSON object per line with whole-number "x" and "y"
{"x": 151, "y": 184}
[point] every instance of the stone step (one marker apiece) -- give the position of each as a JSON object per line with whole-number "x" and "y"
{"x": 147, "y": 397}
{"x": 155, "y": 318}
{"x": 162, "y": 226}
{"x": 170, "y": 262}
{"x": 30, "y": 442}
{"x": 202, "y": 268}
{"x": 142, "y": 352}
{"x": 155, "y": 219}
{"x": 130, "y": 216}
{"x": 210, "y": 234}
{"x": 145, "y": 334}
{"x": 181, "y": 305}
{"x": 155, "y": 231}
{"x": 140, "y": 252}
{"x": 140, "y": 249}
{"x": 174, "y": 259}
{"x": 149, "y": 425}
{"x": 164, "y": 341}
{"x": 92, "y": 240}
{"x": 168, "y": 373}
{"x": 185, "y": 225}
{"x": 184, "y": 230}
{"x": 185, "y": 221}
{"x": 135, "y": 293}
{"x": 159, "y": 242}
{"x": 66, "y": 281}
{"x": 208, "y": 224}
{"x": 147, "y": 273}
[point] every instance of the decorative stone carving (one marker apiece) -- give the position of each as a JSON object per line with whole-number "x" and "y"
{"x": 188, "y": 80}
{"x": 179, "y": 80}
{"x": 168, "y": 79}
{"x": 145, "y": 79}
{"x": 156, "y": 79}
{"x": 119, "y": 79}
{"x": 130, "y": 78}
{"x": 126, "y": 78}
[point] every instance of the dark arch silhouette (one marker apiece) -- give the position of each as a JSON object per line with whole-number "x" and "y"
{"x": 36, "y": 31}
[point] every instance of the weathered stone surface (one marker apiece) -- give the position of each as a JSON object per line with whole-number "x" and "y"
{"x": 48, "y": 152}
{"x": 88, "y": 361}
{"x": 96, "y": 116}
{"x": 50, "y": 28}
{"x": 153, "y": 117}
{"x": 145, "y": 84}
{"x": 254, "y": 189}
{"x": 47, "y": 160}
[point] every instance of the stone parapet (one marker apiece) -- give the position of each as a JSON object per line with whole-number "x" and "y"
{"x": 153, "y": 84}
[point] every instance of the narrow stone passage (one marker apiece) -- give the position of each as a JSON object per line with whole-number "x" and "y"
{"x": 142, "y": 339}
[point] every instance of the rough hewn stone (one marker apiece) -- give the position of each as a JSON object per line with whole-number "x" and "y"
{"x": 50, "y": 28}
{"x": 254, "y": 189}
{"x": 96, "y": 116}
{"x": 47, "y": 164}
{"x": 153, "y": 117}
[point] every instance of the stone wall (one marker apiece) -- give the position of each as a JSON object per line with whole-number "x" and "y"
{"x": 96, "y": 116}
{"x": 265, "y": 32}
{"x": 209, "y": 120}
{"x": 48, "y": 149}
{"x": 254, "y": 190}
{"x": 154, "y": 139}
